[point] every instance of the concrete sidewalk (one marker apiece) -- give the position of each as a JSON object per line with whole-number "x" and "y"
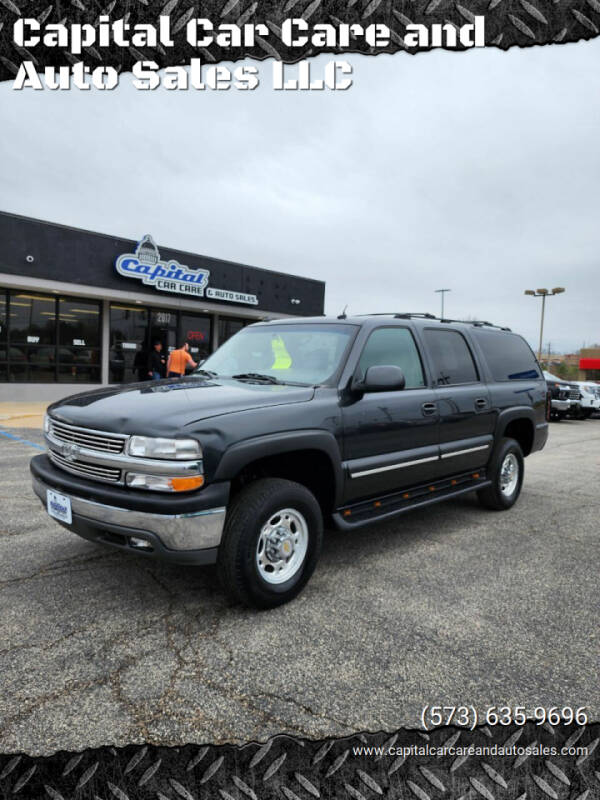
{"x": 22, "y": 415}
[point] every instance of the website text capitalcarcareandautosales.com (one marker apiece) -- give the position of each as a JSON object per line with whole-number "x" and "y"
{"x": 466, "y": 750}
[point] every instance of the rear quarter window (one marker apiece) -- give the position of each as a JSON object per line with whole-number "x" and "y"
{"x": 508, "y": 356}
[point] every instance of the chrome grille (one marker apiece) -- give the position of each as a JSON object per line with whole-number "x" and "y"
{"x": 574, "y": 394}
{"x": 93, "y": 471}
{"x": 92, "y": 440}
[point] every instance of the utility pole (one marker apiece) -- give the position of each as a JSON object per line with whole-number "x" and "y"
{"x": 442, "y": 292}
{"x": 543, "y": 293}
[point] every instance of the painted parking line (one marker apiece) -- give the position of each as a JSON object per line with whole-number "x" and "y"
{"x": 19, "y": 439}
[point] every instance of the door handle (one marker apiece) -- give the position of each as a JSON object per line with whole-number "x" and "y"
{"x": 428, "y": 409}
{"x": 481, "y": 402}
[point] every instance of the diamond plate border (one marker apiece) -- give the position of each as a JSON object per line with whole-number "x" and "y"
{"x": 295, "y": 769}
{"x": 509, "y": 23}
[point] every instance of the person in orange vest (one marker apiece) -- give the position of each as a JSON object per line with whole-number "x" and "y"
{"x": 179, "y": 360}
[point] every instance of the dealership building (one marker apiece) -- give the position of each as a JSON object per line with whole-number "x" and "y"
{"x": 80, "y": 309}
{"x": 589, "y": 364}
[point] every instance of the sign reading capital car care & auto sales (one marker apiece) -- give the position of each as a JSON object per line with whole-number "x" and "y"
{"x": 146, "y": 266}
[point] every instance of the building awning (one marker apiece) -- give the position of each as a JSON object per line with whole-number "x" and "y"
{"x": 589, "y": 363}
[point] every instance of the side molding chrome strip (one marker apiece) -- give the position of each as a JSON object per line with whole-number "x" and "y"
{"x": 375, "y": 470}
{"x": 392, "y": 466}
{"x": 462, "y": 452}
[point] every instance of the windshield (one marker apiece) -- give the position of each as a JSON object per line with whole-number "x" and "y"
{"x": 306, "y": 353}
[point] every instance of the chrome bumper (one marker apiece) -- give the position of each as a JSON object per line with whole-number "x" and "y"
{"x": 561, "y": 405}
{"x": 180, "y": 532}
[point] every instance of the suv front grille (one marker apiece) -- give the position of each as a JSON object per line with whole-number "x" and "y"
{"x": 85, "y": 470}
{"x": 92, "y": 440}
{"x": 574, "y": 394}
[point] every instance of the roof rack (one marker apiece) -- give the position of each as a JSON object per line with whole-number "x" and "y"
{"x": 399, "y": 315}
{"x": 478, "y": 323}
{"x": 420, "y": 315}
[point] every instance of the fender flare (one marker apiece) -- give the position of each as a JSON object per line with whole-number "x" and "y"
{"x": 510, "y": 414}
{"x": 239, "y": 455}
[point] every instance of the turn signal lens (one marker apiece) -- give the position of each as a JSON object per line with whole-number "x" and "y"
{"x": 164, "y": 483}
{"x": 187, "y": 484}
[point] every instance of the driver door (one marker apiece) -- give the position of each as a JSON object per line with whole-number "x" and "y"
{"x": 390, "y": 437}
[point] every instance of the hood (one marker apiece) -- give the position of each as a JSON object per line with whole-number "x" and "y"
{"x": 160, "y": 408}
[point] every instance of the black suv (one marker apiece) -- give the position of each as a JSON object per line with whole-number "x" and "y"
{"x": 290, "y": 423}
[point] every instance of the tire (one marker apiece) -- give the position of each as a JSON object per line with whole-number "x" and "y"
{"x": 502, "y": 495}
{"x": 253, "y": 564}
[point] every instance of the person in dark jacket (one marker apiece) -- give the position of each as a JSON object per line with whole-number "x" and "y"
{"x": 156, "y": 363}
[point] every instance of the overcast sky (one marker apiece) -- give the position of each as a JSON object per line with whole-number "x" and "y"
{"x": 478, "y": 172}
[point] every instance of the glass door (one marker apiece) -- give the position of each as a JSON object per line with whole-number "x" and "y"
{"x": 128, "y": 356}
{"x": 195, "y": 329}
{"x": 163, "y": 329}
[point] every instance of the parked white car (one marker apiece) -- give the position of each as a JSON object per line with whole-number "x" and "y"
{"x": 590, "y": 397}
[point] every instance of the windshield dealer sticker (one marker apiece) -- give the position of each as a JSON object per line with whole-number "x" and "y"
{"x": 171, "y": 276}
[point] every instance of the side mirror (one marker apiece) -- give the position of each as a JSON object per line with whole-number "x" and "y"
{"x": 384, "y": 378}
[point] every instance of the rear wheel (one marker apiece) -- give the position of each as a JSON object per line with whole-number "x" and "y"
{"x": 506, "y": 473}
{"x": 271, "y": 543}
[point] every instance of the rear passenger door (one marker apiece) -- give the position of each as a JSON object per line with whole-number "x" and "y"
{"x": 390, "y": 437}
{"x": 466, "y": 419}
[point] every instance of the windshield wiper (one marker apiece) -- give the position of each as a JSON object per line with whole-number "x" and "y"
{"x": 255, "y": 376}
{"x": 208, "y": 372}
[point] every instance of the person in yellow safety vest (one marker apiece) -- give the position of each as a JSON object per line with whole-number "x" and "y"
{"x": 283, "y": 360}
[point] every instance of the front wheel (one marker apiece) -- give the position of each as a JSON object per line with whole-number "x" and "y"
{"x": 271, "y": 542}
{"x": 506, "y": 473}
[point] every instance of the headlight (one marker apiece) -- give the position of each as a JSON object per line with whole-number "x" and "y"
{"x": 164, "y": 483}
{"x": 46, "y": 423}
{"x": 149, "y": 447}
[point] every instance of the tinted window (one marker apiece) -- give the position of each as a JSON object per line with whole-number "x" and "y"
{"x": 394, "y": 346}
{"x": 32, "y": 318}
{"x": 451, "y": 358}
{"x": 45, "y": 338}
{"x": 228, "y": 327}
{"x": 509, "y": 357}
{"x": 3, "y": 318}
{"x": 78, "y": 323}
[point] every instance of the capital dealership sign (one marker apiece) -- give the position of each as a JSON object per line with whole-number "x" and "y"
{"x": 170, "y": 276}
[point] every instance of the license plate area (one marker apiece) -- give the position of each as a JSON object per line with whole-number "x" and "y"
{"x": 59, "y": 506}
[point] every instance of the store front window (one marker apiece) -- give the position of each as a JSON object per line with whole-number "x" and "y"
{"x": 44, "y": 339}
{"x": 3, "y": 336}
{"x": 228, "y": 327}
{"x": 135, "y": 329}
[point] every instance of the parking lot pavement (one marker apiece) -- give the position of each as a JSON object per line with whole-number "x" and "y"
{"x": 451, "y": 604}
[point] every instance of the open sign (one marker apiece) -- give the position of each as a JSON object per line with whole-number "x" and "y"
{"x": 195, "y": 336}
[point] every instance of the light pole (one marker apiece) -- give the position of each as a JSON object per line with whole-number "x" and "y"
{"x": 543, "y": 293}
{"x": 442, "y": 292}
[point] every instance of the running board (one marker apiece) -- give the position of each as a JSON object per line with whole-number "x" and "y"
{"x": 391, "y": 505}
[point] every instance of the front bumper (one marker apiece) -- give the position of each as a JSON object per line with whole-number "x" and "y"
{"x": 191, "y": 536}
{"x": 561, "y": 405}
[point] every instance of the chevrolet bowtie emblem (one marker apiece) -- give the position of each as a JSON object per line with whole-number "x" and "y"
{"x": 70, "y": 451}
